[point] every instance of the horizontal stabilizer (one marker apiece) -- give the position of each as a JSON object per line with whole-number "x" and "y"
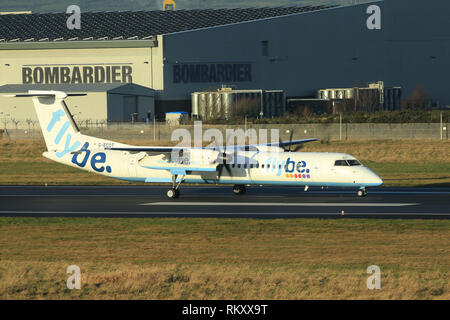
{"x": 47, "y": 94}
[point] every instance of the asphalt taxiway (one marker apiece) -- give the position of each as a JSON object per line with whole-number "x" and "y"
{"x": 219, "y": 201}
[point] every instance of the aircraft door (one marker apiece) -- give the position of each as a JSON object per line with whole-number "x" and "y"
{"x": 132, "y": 166}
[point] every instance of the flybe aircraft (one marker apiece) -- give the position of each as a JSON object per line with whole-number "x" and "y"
{"x": 258, "y": 164}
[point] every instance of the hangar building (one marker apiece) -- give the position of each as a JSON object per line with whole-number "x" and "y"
{"x": 175, "y": 53}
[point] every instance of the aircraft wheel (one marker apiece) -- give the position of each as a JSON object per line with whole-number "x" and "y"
{"x": 362, "y": 193}
{"x": 177, "y": 193}
{"x": 172, "y": 193}
{"x": 239, "y": 190}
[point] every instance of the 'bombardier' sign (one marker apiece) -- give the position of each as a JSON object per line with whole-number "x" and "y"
{"x": 216, "y": 72}
{"x": 77, "y": 74}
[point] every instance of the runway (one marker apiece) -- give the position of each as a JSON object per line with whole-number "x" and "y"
{"x": 219, "y": 201}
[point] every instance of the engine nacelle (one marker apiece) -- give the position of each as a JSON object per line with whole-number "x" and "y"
{"x": 200, "y": 157}
{"x": 270, "y": 149}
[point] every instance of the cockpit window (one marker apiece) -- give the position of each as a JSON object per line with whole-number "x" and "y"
{"x": 354, "y": 162}
{"x": 347, "y": 163}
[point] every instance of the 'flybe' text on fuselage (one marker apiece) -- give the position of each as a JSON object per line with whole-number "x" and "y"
{"x": 288, "y": 167}
{"x": 96, "y": 160}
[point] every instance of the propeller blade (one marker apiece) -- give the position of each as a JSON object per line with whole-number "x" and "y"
{"x": 220, "y": 170}
{"x": 224, "y": 160}
{"x": 227, "y": 166}
{"x": 281, "y": 145}
{"x": 290, "y": 138}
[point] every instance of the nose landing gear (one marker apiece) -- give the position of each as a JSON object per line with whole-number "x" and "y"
{"x": 362, "y": 192}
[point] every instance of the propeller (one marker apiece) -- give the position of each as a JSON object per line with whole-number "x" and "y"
{"x": 222, "y": 159}
{"x": 291, "y": 135}
{"x": 220, "y": 170}
{"x": 288, "y": 148}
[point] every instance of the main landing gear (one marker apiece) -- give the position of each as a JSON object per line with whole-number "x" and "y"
{"x": 239, "y": 189}
{"x": 362, "y": 192}
{"x": 175, "y": 191}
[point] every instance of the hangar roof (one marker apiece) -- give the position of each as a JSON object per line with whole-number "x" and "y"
{"x": 119, "y": 88}
{"x": 130, "y": 25}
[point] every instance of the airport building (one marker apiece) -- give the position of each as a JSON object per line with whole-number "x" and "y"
{"x": 152, "y": 61}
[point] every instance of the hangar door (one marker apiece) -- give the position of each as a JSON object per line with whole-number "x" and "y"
{"x": 130, "y": 110}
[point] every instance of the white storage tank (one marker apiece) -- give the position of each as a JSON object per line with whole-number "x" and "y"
{"x": 223, "y": 104}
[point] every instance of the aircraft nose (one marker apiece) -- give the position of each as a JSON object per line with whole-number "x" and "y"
{"x": 375, "y": 179}
{"x": 371, "y": 178}
{"x": 379, "y": 181}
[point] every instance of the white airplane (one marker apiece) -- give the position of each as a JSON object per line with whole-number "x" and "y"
{"x": 260, "y": 164}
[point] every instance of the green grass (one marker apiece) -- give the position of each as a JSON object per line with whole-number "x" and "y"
{"x": 195, "y": 258}
{"x": 412, "y": 174}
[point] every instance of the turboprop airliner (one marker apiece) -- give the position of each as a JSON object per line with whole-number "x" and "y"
{"x": 257, "y": 164}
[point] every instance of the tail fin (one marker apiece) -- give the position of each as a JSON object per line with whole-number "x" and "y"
{"x": 54, "y": 116}
{"x": 61, "y": 133}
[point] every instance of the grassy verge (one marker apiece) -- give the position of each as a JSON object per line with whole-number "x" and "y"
{"x": 399, "y": 163}
{"x": 223, "y": 258}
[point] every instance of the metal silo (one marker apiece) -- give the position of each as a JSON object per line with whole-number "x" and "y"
{"x": 203, "y": 107}
{"x": 194, "y": 104}
{"x": 222, "y": 104}
{"x": 227, "y": 104}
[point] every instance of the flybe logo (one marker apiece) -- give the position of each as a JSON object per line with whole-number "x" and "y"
{"x": 296, "y": 170}
{"x": 96, "y": 160}
{"x": 56, "y": 117}
{"x": 290, "y": 168}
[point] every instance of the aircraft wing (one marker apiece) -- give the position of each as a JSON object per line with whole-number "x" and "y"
{"x": 281, "y": 144}
{"x": 289, "y": 143}
{"x": 244, "y": 147}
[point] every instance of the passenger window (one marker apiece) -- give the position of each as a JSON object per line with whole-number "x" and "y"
{"x": 239, "y": 166}
{"x": 262, "y": 166}
{"x": 341, "y": 163}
